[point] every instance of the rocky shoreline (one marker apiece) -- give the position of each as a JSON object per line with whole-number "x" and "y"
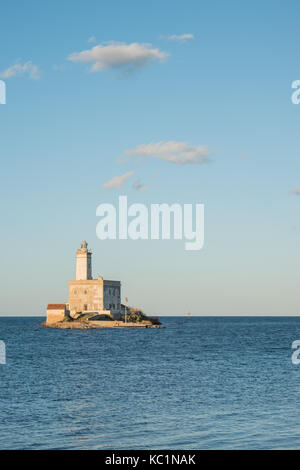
{"x": 88, "y": 325}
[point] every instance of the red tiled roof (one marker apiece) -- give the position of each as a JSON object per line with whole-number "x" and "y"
{"x": 56, "y": 306}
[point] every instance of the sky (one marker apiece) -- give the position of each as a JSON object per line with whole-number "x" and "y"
{"x": 165, "y": 102}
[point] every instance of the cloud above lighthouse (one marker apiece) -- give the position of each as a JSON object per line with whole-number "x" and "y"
{"x": 18, "y": 69}
{"x": 181, "y": 37}
{"x": 116, "y": 55}
{"x": 295, "y": 191}
{"x": 118, "y": 181}
{"x": 173, "y": 152}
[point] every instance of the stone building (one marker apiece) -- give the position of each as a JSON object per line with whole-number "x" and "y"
{"x": 55, "y": 312}
{"x": 88, "y": 295}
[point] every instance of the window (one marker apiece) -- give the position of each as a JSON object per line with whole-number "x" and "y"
{"x": 85, "y": 307}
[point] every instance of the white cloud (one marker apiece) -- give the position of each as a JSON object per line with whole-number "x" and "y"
{"x": 295, "y": 191}
{"x": 92, "y": 39}
{"x": 181, "y": 37}
{"x": 117, "y": 181}
{"x": 173, "y": 152}
{"x": 118, "y": 55}
{"x": 28, "y": 68}
{"x": 139, "y": 186}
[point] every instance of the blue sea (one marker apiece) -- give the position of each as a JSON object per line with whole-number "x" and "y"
{"x": 200, "y": 383}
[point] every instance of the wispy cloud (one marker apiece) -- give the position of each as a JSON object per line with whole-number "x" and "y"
{"x": 117, "y": 181}
{"x": 18, "y": 69}
{"x": 173, "y": 152}
{"x": 295, "y": 191}
{"x": 139, "y": 186}
{"x": 181, "y": 37}
{"x": 115, "y": 55}
{"x": 92, "y": 39}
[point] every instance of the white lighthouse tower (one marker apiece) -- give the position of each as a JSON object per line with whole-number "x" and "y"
{"x": 83, "y": 263}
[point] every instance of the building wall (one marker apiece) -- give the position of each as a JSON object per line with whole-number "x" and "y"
{"x": 112, "y": 295}
{"x": 86, "y": 295}
{"x": 53, "y": 316}
{"x": 83, "y": 265}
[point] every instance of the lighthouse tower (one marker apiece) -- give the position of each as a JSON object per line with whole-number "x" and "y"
{"x": 83, "y": 263}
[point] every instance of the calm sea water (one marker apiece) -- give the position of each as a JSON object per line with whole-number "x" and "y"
{"x": 201, "y": 383}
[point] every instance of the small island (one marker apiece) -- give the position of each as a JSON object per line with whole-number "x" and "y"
{"x": 95, "y": 303}
{"x": 133, "y": 318}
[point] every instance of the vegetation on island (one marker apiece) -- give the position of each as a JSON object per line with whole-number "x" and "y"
{"x": 136, "y": 315}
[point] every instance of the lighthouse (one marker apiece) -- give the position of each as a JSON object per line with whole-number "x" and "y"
{"x": 83, "y": 263}
{"x": 88, "y": 295}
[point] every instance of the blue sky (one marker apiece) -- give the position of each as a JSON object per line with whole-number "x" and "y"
{"x": 65, "y": 130}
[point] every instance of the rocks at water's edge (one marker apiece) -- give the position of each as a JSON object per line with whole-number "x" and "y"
{"x": 87, "y": 325}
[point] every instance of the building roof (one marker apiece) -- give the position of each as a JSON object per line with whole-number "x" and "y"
{"x": 56, "y": 306}
{"x": 108, "y": 281}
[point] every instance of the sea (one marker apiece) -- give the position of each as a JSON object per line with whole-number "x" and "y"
{"x": 199, "y": 383}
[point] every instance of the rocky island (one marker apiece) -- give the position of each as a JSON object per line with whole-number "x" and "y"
{"x": 133, "y": 319}
{"x": 95, "y": 303}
